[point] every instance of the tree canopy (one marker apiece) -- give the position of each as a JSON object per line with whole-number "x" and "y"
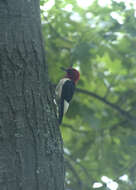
{"x": 99, "y": 129}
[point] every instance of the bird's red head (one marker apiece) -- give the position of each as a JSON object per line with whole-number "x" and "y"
{"x": 73, "y": 74}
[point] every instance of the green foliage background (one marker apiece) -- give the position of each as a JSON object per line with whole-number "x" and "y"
{"x": 99, "y": 130}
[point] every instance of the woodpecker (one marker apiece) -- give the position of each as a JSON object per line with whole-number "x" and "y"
{"x": 65, "y": 90}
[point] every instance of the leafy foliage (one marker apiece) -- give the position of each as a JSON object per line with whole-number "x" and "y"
{"x": 99, "y": 128}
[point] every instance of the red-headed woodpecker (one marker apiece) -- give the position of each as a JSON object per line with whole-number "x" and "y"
{"x": 65, "y": 90}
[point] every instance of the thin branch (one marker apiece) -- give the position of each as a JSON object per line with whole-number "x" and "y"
{"x": 57, "y": 33}
{"x": 115, "y": 126}
{"x": 125, "y": 170}
{"x": 80, "y": 165}
{"x": 114, "y": 106}
{"x": 124, "y": 113}
{"x": 69, "y": 165}
{"x": 73, "y": 129}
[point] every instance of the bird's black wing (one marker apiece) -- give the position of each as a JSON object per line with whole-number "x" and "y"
{"x": 67, "y": 94}
{"x": 68, "y": 90}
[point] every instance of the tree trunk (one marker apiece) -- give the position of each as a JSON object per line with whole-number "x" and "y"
{"x": 31, "y": 154}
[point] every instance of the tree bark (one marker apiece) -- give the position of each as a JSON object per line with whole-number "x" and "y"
{"x": 31, "y": 152}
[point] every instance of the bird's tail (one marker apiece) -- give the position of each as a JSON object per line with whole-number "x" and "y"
{"x": 61, "y": 110}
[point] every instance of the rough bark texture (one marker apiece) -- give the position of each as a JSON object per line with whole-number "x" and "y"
{"x": 31, "y": 155}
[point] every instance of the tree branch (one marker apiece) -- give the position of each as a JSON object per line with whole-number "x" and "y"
{"x": 115, "y": 126}
{"x": 73, "y": 129}
{"x": 105, "y": 101}
{"x": 69, "y": 165}
{"x": 114, "y": 106}
{"x": 57, "y": 33}
{"x": 80, "y": 165}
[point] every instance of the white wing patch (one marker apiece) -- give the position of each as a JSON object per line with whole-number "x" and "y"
{"x": 66, "y": 105}
{"x": 59, "y": 87}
